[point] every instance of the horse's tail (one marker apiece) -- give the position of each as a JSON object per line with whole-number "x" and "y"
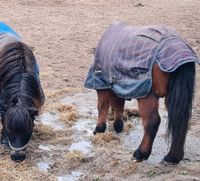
{"x": 179, "y": 100}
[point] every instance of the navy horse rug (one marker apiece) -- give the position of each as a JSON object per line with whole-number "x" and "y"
{"x": 125, "y": 56}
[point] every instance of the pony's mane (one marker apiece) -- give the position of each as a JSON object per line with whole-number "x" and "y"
{"x": 18, "y": 84}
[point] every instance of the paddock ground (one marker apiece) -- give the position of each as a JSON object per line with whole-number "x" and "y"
{"x": 62, "y": 34}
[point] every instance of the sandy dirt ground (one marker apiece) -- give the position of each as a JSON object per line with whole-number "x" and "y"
{"x": 62, "y": 34}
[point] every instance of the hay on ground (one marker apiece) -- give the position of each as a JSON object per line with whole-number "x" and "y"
{"x": 104, "y": 138}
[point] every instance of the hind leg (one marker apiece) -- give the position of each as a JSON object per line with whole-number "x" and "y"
{"x": 148, "y": 108}
{"x": 103, "y": 107}
{"x": 117, "y": 105}
{"x": 176, "y": 152}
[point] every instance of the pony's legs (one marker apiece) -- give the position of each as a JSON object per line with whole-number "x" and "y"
{"x": 117, "y": 105}
{"x": 103, "y": 108}
{"x": 107, "y": 98}
{"x": 148, "y": 108}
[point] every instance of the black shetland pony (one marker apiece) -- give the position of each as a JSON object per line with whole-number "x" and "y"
{"x": 21, "y": 97}
{"x": 145, "y": 63}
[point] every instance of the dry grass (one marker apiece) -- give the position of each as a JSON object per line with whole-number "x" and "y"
{"x": 43, "y": 132}
{"x": 75, "y": 156}
{"x": 104, "y": 138}
{"x": 68, "y": 113}
{"x": 10, "y": 171}
{"x": 58, "y": 93}
{"x": 69, "y": 161}
{"x": 129, "y": 169}
{"x": 131, "y": 113}
{"x": 128, "y": 126}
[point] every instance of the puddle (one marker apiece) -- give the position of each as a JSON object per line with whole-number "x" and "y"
{"x": 75, "y": 175}
{"x": 85, "y": 103}
{"x": 51, "y": 119}
{"x": 84, "y": 127}
{"x": 82, "y": 146}
{"x": 43, "y": 166}
{"x": 46, "y": 147}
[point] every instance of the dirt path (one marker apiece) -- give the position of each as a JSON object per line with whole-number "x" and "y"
{"x": 62, "y": 34}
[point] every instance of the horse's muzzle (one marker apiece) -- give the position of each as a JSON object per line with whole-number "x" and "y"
{"x": 18, "y": 156}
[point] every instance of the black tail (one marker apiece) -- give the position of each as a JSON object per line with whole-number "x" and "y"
{"x": 179, "y": 100}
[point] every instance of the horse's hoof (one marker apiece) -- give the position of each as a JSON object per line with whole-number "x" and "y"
{"x": 171, "y": 159}
{"x": 118, "y": 125}
{"x": 100, "y": 129}
{"x": 139, "y": 156}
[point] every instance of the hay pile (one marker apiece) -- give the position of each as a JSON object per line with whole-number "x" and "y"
{"x": 10, "y": 171}
{"x": 68, "y": 113}
{"x": 105, "y": 138}
{"x": 43, "y": 132}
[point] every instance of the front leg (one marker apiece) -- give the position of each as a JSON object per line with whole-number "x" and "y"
{"x": 103, "y": 108}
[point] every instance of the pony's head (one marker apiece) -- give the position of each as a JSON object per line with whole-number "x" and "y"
{"x": 21, "y": 97}
{"x": 18, "y": 123}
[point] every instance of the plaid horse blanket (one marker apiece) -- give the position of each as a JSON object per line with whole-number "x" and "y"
{"x": 126, "y": 54}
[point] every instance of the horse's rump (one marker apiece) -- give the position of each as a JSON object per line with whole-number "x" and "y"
{"x": 125, "y": 56}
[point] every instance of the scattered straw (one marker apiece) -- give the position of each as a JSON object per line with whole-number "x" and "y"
{"x": 58, "y": 93}
{"x": 131, "y": 113}
{"x": 103, "y": 138}
{"x": 75, "y": 156}
{"x": 128, "y": 126}
{"x": 68, "y": 113}
{"x": 43, "y": 132}
{"x": 10, "y": 171}
{"x": 129, "y": 169}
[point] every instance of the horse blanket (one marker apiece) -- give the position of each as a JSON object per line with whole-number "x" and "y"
{"x": 7, "y": 36}
{"x": 126, "y": 54}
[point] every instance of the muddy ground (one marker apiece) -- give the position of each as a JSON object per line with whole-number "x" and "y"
{"x": 62, "y": 34}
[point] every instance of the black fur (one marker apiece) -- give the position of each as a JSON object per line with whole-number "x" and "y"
{"x": 100, "y": 129}
{"x": 179, "y": 105}
{"x": 139, "y": 156}
{"x": 118, "y": 125}
{"x": 21, "y": 95}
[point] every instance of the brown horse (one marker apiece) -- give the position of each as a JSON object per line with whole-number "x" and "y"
{"x": 145, "y": 63}
{"x": 177, "y": 88}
